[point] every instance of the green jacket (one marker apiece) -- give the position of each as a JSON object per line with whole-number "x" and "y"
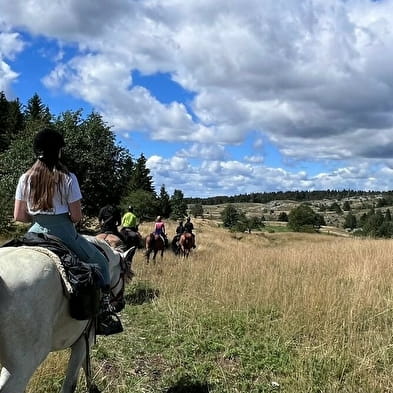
{"x": 129, "y": 220}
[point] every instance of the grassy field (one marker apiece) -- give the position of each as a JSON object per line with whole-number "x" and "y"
{"x": 259, "y": 312}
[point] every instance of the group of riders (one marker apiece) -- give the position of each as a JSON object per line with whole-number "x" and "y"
{"x": 110, "y": 219}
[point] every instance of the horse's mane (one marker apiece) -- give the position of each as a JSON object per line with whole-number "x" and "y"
{"x": 100, "y": 243}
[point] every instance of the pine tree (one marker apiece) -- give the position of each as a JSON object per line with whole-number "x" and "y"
{"x": 350, "y": 221}
{"x": 141, "y": 178}
{"x": 164, "y": 203}
{"x": 37, "y": 111}
{"x": 11, "y": 121}
{"x": 178, "y": 205}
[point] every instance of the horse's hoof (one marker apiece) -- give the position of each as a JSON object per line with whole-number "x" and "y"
{"x": 94, "y": 389}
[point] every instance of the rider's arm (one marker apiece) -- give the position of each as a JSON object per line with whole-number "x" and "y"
{"x": 20, "y": 211}
{"x": 74, "y": 199}
{"x": 75, "y": 209}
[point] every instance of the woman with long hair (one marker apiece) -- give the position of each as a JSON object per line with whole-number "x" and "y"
{"x": 48, "y": 195}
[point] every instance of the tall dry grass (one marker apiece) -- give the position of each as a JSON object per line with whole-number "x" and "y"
{"x": 327, "y": 300}
{"x": 332, "y": 295}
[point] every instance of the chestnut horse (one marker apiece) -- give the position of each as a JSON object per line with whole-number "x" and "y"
{"x": 154, "y": 244}
{"x": 185, "y": 244}
{"x": 113, "y": 240}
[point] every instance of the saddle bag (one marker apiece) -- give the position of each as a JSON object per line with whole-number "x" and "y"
{"x": 85, "y": 300}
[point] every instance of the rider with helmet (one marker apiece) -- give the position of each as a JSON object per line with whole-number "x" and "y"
{"x": 176, "y": 238}
{"x": 188, "y": 228}
{"x": 129, "y": 220}
{"x": 129, "y": 229}
{"x": 48, "y": 195}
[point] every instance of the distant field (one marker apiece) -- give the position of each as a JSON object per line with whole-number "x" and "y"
{"x": 259, "y": 312}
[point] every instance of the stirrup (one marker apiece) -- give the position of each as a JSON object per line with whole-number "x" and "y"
{"x": 108, "y": 323}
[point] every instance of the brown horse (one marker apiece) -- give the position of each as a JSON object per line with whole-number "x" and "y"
{"x": 154, "y": 244}
{"x": 113, "y": 240}
{"x": 186, "y": 243}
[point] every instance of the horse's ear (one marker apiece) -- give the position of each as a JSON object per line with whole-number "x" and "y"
{"x": 128, "y": 255}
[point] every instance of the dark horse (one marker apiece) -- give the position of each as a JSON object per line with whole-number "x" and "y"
{"x": 132, "y": 237}
{"x": 186, "y": 243}
{"x": 154, "y": 244}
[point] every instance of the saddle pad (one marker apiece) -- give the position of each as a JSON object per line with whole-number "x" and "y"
{"x": 66, "y": 284}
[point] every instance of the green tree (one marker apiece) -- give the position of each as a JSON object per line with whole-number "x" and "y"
{"x": 36, "y": 110}
{"x": 381, "y": 202}
{"x": 372, "y": 222}
{"x": 141, "y": 178}
{"x": 350, "y": 221}
{"x": 346, "y": 206}
{"x": 283, "y": 217}
{"x": 230, "y": 216}
{"x": 385, "y": 230}
{"x": 197, "y": 210}
{"x": 103, "y": 168}
{"x": 388, "y": 215}
{"x": 145, "y": 204}
{"x": 13, "y": 162}
{"x": 164, "y": 204}
{"x": 256, "y": 222}
{"x": 336, "y": 208}
{"x": 303, "y": 219}
{"x": 178, "y": 205}
{"x": 11, "y": 121}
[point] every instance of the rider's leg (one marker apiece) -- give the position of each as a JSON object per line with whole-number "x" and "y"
{"x": 62, "y": 227}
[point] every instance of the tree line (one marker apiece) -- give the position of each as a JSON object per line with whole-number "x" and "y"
{"x": 107, "y": 172}
{"x": 299, "y": 196}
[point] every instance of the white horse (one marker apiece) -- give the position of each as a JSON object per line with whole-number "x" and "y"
{"x": 35, "y": 319}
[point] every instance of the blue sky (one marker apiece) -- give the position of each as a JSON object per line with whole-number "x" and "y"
{"x": 222, "y": 97}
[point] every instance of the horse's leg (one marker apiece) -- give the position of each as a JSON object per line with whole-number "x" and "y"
{"x": 78, "y": 352}
{"x": 19, "y": 367}
{"x": 15, "y": 381}
{"x": 155, "y": 255}
{"x": 20, "y": 356}
{"x": 77, "y": 360}
{"x": 147, "y": 255}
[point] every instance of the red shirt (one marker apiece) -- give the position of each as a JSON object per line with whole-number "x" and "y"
{"x": 159, "y": 228}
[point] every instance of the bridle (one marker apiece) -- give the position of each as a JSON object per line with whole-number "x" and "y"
{"x": 117, "y": 299}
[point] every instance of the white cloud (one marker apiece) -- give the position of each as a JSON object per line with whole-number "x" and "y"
{"x": 254, "y": 159}
{"x": 313, "y": 77}
{"x": 205, "y": 152}
{"x": 10, "y": 45}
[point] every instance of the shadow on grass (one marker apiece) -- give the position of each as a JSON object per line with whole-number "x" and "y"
{"x": 141, "y": 293}
{"x": 186, "y": 386}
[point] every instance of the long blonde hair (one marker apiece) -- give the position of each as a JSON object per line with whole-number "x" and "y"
{"x": 42, "y": 182}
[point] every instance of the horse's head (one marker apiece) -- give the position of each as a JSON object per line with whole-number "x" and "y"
{"x": 119, "y": 270}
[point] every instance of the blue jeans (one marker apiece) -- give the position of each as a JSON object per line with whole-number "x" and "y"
{"x": 61, "y": 226}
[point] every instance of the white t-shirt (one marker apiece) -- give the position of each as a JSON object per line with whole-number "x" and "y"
{"x": 70, "y": 193}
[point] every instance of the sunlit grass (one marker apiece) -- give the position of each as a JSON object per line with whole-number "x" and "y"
{"x": 309, "y": 312}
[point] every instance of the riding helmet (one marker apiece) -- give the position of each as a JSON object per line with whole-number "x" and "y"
{"x": 47, "y": 144}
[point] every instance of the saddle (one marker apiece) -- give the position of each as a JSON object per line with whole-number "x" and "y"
{"x": 85, "y": 294}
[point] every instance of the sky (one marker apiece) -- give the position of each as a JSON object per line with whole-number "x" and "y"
{"x": 223, "y": 97}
